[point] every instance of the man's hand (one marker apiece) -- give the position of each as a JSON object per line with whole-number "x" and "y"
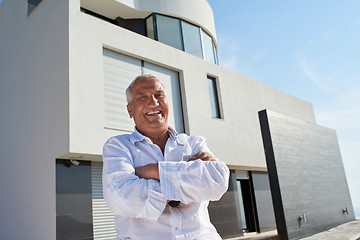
{"x": 204, "y": 156}
{"x": 149, "y": 171}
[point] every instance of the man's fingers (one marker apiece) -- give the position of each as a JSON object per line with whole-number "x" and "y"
{"x": 204, "y": 156}
{"x": 194, "y": 157}
{"x": 199, "y": 155}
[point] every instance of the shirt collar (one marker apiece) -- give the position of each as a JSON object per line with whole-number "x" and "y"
{"x": 136, "y": 136}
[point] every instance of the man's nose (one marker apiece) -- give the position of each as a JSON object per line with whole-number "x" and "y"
{"x": 153, "y": 102}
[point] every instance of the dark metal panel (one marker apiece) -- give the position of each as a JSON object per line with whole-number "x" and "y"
{"x": 273, "y": 176}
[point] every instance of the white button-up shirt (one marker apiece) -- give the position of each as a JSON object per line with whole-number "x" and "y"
{"x": 140, "y": 205}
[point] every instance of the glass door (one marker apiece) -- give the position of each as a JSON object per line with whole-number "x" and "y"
{"x": 247, "y": 209}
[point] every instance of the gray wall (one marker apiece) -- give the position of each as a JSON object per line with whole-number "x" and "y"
{"x": 311, "y": 176}
{"x": 34, "y": 115}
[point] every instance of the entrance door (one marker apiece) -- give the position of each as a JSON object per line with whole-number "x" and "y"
{"x": 247, "y": 206}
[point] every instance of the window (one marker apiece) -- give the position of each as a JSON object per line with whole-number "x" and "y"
{"x": 32, "y": 5}
{"x": 150, "y": 27}
{"x": 73, "y": 200}
{"x": 169, "y": 31}
{"x": 224, "y": 214}
{"x": 245, "y": 207}
{"x": 214, "y": 97}
{"x": 171, "y": 82}
{"x": 192, "y": 39}
{"x": 119, "y": 71}
{"x": 81, "y": 211}
{"x": 134, "y": 25}
{"x": 263, "y": 198}
{"x": 181, "y": 35}
{"x": 209, "y": 48}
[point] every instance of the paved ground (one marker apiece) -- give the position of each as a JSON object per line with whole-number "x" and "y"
{"x": 347, "y": 231}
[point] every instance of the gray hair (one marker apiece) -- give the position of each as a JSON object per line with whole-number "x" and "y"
{"x": 128, "y": 90}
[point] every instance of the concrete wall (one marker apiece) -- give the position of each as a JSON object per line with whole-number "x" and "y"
{"x": 236, "y": 139}
{"x": 34, "y": 118}
{"x": 311, "y": 176}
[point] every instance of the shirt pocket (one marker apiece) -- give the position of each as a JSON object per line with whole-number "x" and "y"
{"x": 144, "y": 156}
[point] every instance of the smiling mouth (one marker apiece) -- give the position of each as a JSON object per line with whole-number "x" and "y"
{"x": 153, "y": 113}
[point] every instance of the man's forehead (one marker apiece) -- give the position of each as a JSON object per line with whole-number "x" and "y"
{"x": 148, "y": 83}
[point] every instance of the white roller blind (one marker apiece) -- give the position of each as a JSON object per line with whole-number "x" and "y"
{"x": 119, "y": 71}
{"x": 103, "y": 218}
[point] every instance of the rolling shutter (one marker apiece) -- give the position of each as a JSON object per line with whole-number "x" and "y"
{"x": 119, "y": 71}
{"x": 103, "y": 218}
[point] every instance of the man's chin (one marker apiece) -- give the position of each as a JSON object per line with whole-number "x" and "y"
{"x": 159, "y": 123}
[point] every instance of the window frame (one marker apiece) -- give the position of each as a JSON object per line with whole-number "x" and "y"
{"x": 214, "y": 96}
{"x": 155, "y": 22}
{"x": 200, "y": 38}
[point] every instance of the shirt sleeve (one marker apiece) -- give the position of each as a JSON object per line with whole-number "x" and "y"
{"x": 194, "y": 181}
{"x": 125, "y": 193}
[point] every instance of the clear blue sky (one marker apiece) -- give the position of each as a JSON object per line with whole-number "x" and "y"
{"x": 309, "y": 49}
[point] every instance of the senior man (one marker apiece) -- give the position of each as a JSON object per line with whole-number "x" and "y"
{"x": 157, "y": 182}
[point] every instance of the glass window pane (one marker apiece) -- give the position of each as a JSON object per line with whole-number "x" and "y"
{"x": 263, "y": 201}
{"x": 224, "y": 214}
{"x": 192, "y": 39}
{"x": 171, "y": 82}
{"x": 150, "y": 27}
{"x": 73, "y": 200}
{"x": 242, "y": 223}
{"x": 168, "y": 31}
{"x": 208, "y": 47}
{"x": 214, "y": 100}
{"x": 215, "y": 55}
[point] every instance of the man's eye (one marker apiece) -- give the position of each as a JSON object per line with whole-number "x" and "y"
{"x": 141, "y": 98}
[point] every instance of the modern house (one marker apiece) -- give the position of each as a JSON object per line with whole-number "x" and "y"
{"x": 64, "y": 67}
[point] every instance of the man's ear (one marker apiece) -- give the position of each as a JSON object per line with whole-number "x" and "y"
{"x": 129, "y": 111}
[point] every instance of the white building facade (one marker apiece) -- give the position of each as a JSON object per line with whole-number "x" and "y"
{"x": 64, "y": 68}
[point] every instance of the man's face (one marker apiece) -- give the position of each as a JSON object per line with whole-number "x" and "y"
{"x": 148, "y": 106}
